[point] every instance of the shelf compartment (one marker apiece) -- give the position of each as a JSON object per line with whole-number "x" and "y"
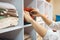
{"x": 19, "y": 8}
{"x": 27, "y": 35}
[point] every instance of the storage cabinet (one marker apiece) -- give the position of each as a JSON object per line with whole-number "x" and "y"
{"x": 19, "y": 32}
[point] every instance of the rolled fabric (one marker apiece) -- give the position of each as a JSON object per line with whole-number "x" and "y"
{"x": 8, "y": 15}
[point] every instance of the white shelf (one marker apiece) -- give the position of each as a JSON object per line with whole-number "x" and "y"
{"x": 9, "y": 29}
{"x": 13, "y": 28}
{"x": 28, "y": 25}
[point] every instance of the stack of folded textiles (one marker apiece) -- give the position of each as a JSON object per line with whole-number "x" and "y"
{"x": 8, "y": 15}
{"x": 27, "y": 37}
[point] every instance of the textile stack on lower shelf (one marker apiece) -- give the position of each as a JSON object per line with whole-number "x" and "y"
{"x": 39, "y": 37}
{"x": 27, "y": 37}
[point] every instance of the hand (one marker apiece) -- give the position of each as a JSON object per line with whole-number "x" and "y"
{"x": 54, "y": 30}
{"x": 35, "y": 12}
{"x": 27, "y": 16}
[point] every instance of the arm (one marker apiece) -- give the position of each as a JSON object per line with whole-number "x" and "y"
{"x": 40, "y": 29}
{"x": 53, "y": 25}
{"x": 35, "y": 12}
{"x": 46, "y": 20}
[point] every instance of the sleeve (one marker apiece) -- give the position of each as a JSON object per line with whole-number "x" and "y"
{"x": 55, "y": 25}
{"x": 50, "y": 35}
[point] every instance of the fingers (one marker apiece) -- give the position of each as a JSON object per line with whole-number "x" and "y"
{"x": 37, "y": 10}
{"x": 32, "y": 12}
{"x": 26, "y": 13}
{"x": 54, "y": 30}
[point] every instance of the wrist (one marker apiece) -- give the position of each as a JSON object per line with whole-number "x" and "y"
{"x": 40, "y": 15}
{"x": 31, "y": 20}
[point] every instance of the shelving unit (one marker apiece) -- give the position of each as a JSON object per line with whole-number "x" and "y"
{"x": 19, "y": 34}
{"x": 20, "y": 29}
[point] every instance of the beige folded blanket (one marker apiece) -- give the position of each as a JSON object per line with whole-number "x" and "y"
{"x": 9, "y": 21}
{"x": 8, "y": 15}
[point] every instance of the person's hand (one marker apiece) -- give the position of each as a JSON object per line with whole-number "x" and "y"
{"x": 54, "y": 30}
{"x": 27, "y": 16}
{"x": 35, "y": 12}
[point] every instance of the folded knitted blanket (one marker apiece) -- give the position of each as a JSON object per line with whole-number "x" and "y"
{"x": 8, "y": 15}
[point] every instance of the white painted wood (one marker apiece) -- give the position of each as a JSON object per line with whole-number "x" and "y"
{"x": 9, "y": 29}
{"x": 28, "y": 25}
